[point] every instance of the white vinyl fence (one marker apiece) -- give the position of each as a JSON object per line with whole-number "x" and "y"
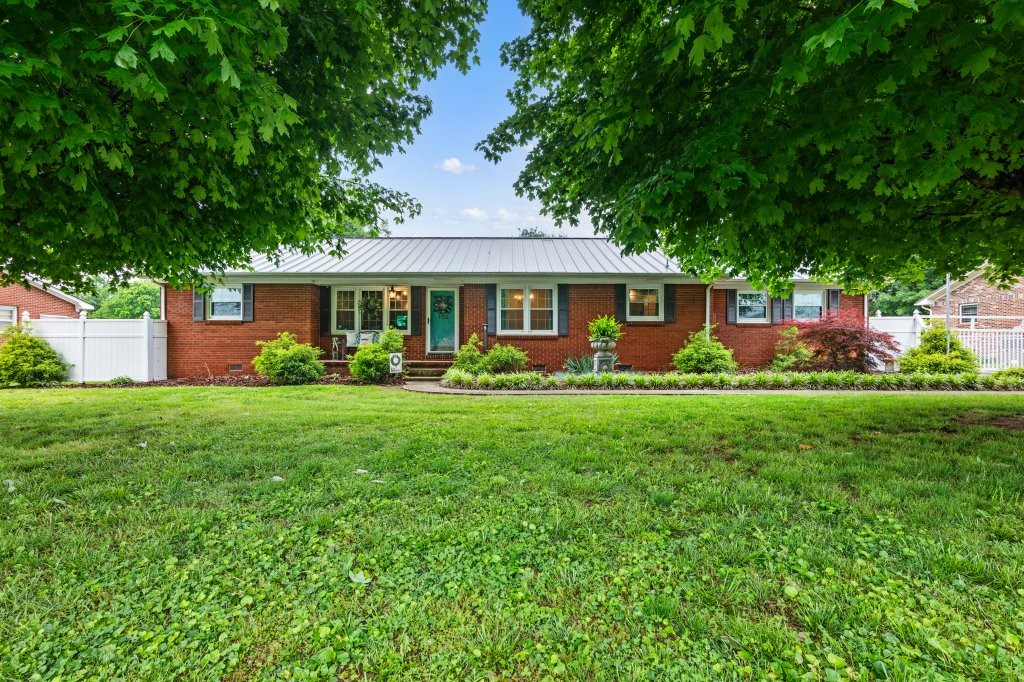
{"x": 99, "y": 350}
{"x": 998, "y": 341}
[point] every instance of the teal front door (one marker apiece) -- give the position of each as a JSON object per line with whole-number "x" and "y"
{"x": 441, "y": 321}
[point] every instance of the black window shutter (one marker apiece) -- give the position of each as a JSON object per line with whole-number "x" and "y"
{"x": 416, "y": 311}
{"x": 198, "y": 306}
{"x": 325, "y": 311}
{"x": 787, "y": 308}
{"x": 247, "y": 302}
{"x": 563, "y": 310}
{"x": 670, "y": 302}
{"x": 833, "y": 301}
{"x": 776, "y": 310}
{"x": 730, "y": 306}
{"x": 620, "y": 302}
{"x": 492, "y": 309}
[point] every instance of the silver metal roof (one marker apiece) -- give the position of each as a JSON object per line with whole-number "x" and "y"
{"x": 471, "y": 255}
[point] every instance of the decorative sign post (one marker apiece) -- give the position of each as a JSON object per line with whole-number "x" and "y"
{"x": 395, "y": 363}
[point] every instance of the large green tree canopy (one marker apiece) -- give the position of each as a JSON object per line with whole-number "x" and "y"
{"x": 854, "y": 140}
{"x": 162, "y": 138}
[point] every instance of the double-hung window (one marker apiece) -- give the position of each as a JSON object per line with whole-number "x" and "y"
{"x": 526, "y": 310}
{"x": 968, "y": 313}
{"x": 225, "y": 303}
{"x": 752, "y": 306}
{"x": 8, "y": 316}
{"x": 808, "y": 305}
{"x": 371, "y": 309}
{"x": 644, "y": 304}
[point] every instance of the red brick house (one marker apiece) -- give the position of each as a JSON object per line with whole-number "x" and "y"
{"x": 974, "y": 303}
{"x": 537, "y": 294}
{"x": 39, "y": 301}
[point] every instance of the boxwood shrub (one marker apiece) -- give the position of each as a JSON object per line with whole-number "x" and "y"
{"x": 27, "y": 360}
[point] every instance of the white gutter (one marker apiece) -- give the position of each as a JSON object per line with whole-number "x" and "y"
{"x": 707, "y": 310}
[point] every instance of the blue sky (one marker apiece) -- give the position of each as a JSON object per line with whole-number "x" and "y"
{"x": 462, "y": 193}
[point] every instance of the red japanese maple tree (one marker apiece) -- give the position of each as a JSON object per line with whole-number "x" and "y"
{"x": 845, "y": 341}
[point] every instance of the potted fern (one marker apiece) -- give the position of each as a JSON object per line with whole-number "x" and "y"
{"x": 604, "y": 332}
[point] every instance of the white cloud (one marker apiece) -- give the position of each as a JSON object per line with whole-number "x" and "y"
{"x": 475, "y": 213}
{"x": 455, "y": 166}
{"x": 506, "y": 215}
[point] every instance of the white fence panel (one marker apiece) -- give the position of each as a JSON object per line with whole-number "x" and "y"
{"x": 995, "y": 348}
{"x": 100, "y": 350}
{"x": 906, "y": 330}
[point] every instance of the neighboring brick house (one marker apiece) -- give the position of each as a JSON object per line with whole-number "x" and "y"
{"x": 38, "y": 300}
{"x": 537, "y": 294}
{"x": 973, "y": 299}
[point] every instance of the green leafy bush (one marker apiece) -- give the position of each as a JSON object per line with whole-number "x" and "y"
{"x": 1009, "y": 373}
{"x": 470, "y": 356}
{"x": 123, "y": 380}
{"x": 930, "y": 355}
{"x": 704, "y": 354}
{"x": 286, "y": 361}
{"x": 605, "y": 327}
{"x": 371, "y": 362}
{"x": 27, "y": 360}
{"x": 505, "y": 359}
{"x": 791, "y": 354}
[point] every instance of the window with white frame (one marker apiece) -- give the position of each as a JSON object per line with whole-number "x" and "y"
{"x": 225, "y": 303}
{"x": 808, "y": 305}
{"x": 968, "y": 313}
{"x": 526, "y": 310}
{"x": 644, "y": 303}
{"x": 398, "y": 308}
{"x": 371, "y": 308}
{"x": 751, "y": 306}
{"x": 8, "y": 316}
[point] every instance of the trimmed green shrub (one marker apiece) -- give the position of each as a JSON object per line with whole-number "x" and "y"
{"x": 371, "y": 362}
{"x": 27, "y": 360}
{"x": 123, "y": 380}
{"x": 470, "y": 356}
{"x": 704, "y": 354}
{"x": 1009, "y": 373}
{"x": 286, "y": 361}
{"x": 791, "y": 354}
{"x": 930, "y": 355}
{"x": 505, "y": 359}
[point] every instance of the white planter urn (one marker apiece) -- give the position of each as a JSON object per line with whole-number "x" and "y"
{"x": 603, "y": 344}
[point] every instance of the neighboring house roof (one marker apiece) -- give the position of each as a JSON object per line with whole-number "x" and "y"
{"x": 79, "y": 304}
{"x": 940, "y": 293}
{"x": 471, "y": 255}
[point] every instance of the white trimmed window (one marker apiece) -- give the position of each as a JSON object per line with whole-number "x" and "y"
{"x": 526, "y": 310}
{"x": 644, "y": 304}
{"x": 968, "y": 313}
{"x": 751, "y": 306}
{"x": 8, "y": 316}
{"x": 371, "y": 309}
{"x": 225, "y": 303}
{"x": 808, "y": 305}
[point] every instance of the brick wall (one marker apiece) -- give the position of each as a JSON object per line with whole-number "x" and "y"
{"x": 754, "y": 344}
{"x": 646, "y": 346}
{"x": 199, "y": 348}
{"x": 36, "y": 301}
{"x": 989, "y": 299}
{"x": 208, "y": 347}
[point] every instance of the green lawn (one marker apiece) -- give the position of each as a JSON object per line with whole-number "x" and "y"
{"x": 593, "y": 537}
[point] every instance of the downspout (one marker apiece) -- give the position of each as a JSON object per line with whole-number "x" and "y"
{"x": 948, "y": 332}
{"x": 707, "y": 311}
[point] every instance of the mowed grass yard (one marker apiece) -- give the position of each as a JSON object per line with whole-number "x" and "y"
{"x": 584, "y": 537}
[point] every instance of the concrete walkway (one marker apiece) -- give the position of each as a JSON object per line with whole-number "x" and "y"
{"x": 436, "y": 388}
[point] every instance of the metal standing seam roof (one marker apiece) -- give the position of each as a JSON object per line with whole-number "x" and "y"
{"x": 471, "y": 255}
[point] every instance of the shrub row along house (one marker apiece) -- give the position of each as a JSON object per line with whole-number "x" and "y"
{"x": 537, "y": 294}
